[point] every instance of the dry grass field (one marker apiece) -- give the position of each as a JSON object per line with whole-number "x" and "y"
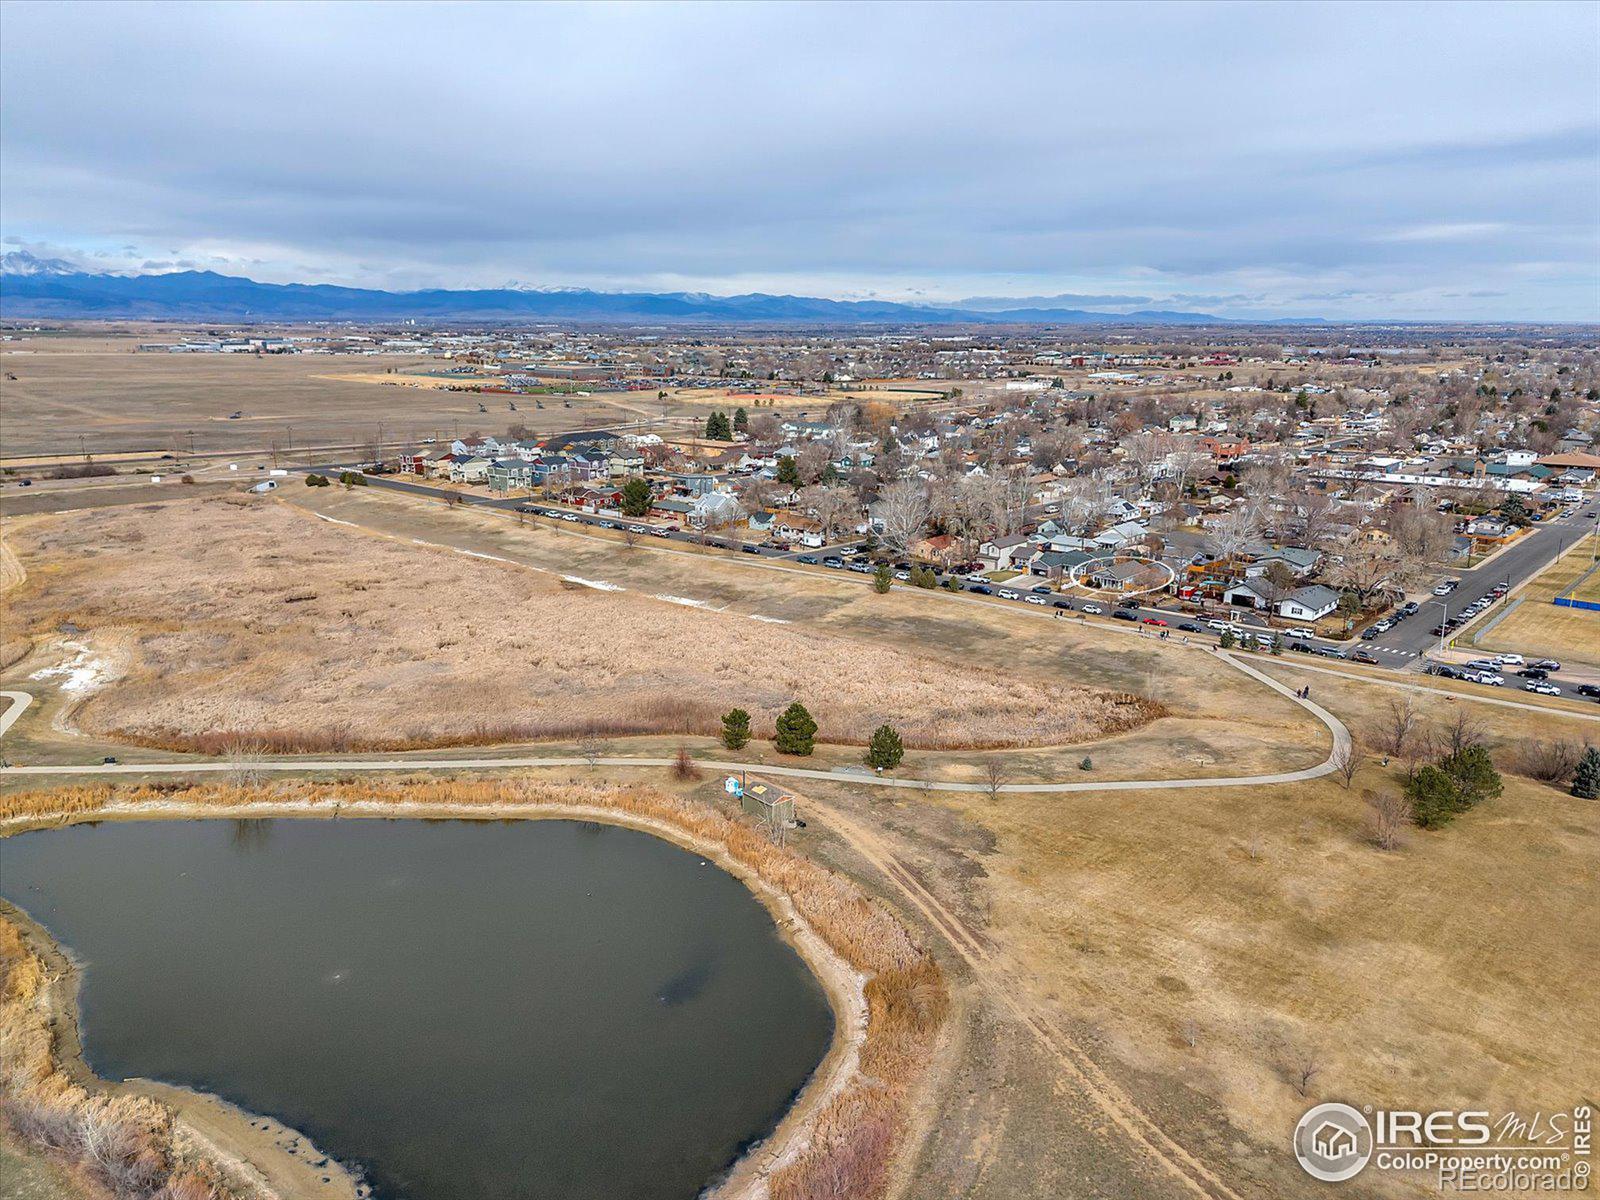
{"x": 96, "y": 385}
{"x": 1538, "y": 627}
{"x": 227, "y": 619}
{"x": 1206, "y": 947}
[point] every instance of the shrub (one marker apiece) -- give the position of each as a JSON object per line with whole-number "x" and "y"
{"x": 1228, "y": 640}
{"x": 1586, "y": 779}
{"x": 683, "y": 766}
{"x": 316, "y": 481}
{"x": 1087, "y": 764}
{"x": 736, "y": 729}
{"x": 1550, "y": 762}
{"x": 882, "y": 579}
{"x": 797, "y": 730}
{"x": 885, "y": 750}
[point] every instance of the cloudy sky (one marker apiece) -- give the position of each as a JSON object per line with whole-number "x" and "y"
{"x": 1410, "y": 161}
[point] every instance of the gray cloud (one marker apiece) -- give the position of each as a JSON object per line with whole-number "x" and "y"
{"x": 1095, "y": 155}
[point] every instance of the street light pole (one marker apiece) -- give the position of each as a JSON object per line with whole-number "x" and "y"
{"x": 1444, "y": 606}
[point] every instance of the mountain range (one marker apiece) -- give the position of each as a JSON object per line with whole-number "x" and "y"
{"x": 33, "y": 287}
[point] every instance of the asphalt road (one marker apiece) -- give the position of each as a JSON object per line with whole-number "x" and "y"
{"x": 1397, "y": 649}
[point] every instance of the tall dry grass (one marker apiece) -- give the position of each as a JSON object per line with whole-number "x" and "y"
{"x": 400, "y": 647}
{"x": 118, "y": 1146}
{"x": 856, "y": 1136}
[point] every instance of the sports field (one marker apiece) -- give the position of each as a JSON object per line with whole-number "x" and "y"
{"x": 1538, "y": 627}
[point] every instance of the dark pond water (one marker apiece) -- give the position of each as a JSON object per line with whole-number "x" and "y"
{"x": 464, "y": 1009}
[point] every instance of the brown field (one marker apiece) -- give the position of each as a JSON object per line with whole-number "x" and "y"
{"x": 122, "y": 401}
{"x": 1538, "y": 627}
{"x": 1202, "y": 946}
{"x": 230, "y": 620}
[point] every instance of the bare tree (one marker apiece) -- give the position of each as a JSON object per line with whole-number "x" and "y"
{"x": 904, "y": 509}
{"x": 593, "y": 749}
{"x": 1191, "y": 1033}
{"x": 1347, "y": 762}
{"x": 630, "y": 539}
{"x": 1397, "y": 727}
{"x": 994, "y": 778}
{"x": 1239, "y": 527}
{"x": 246, "y": 766}
{"x": 1389, "y": 813}
{"x": 1462, "y": 733}
{"x": 1305, "y": 1069}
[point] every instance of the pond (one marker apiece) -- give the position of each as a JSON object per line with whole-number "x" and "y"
{"x": 460, "y": 1008}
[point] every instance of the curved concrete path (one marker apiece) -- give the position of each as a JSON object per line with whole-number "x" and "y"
{"x": 1336, "y": 728}
{"x": 19, "y": 705}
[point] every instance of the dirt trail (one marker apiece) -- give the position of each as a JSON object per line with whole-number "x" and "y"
{"x": 1156, "y": 1146}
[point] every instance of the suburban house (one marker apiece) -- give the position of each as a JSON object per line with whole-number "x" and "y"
{"x": 801, "y": 530}
{"x": 1007, "y": 552}
{"x": 1309, "y": 603}
{"x": 938, "y": 549}
{"x": 468, "y": 468}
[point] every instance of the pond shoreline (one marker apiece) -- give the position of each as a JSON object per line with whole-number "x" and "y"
{"x": 251, "y": 1149}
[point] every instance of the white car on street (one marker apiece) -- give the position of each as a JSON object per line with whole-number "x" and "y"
{"x": 1510, "y": 660}
{"x": 1544, "y": 689}
{"x": 1093, "y": 610}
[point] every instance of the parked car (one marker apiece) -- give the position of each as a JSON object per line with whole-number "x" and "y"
{"x": 1032, "y": 599}
{"x": 1327, "y": 651}
{"x": 1123, "y": 614}
{"x": 1042, "y": 590}
{"x": 1093, "y": 609}
{"x": 1361, "y": 656}
{"x": 1533, "y": 673}
{"x": 1006, "y": 594}
{"x": 1301, "y": 631}
{"x": 903, "y": 576}
{"x": 1370, "y": 632}
{"x": 1488, "y": 679}
{"x": 1219, "y": 626}
{"x": 1383, "y": 626}
{"x": 1154, "y": 621}
{"x": 1544, "y": 689}
{"x": 1445, "y": 588}
{"x": 1510, "y": 660}
{"x": 1301, "y": 647}
{"x": 1547, "y": 664}
{"x": 1062, "y": 604}
{"x": 981, "y": 589}
{"x": 750, "y": 549}
{"x": 1410, "y": 608}
{"x": 1190, "y": 627}
{"x": 807, "y": 558}
{"x": 1588, "y": 689}
{"x": 833, "y": 561}
{"x": 1482, "y": 664}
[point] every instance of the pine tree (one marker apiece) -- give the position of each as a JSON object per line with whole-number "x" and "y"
{"x": 796, "y": 730}
{"x": 885, "y": 750}
{"x": 1433, "y": 797}
{"x": 741, "y": 420}
{"x": 636, "y": 497}
{"x": 882, "y": 578}
{"x": 1474, "y": 775}
{"x": 1586, "y": 779}
{"x": 736, "y": 729}
{"x": 718, "y": 429}
{"x": 788, "y": 471}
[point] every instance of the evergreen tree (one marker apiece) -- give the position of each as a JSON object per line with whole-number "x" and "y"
{"x": 1473, "y": 773}
{"x": 885, "y": 750}
{"x": 882, "y": 578}
{"x": 1433, "y": 797}
{"x": 1586, "y": 779}
{"x": 636, "y": 497}
{"x": 718, "y": 429}
{"x": 735, "y": 729}
{"x": 796, "y": 730}
{"x": 1227, "y": 640}
{"x": 1514, "y": 510}
{"x": 788, "y": 471}
{"x": 741, "y": 420}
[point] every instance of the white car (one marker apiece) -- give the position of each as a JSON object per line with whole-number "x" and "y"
{"x": 1219, "y": 626}
{"x": 1031, "y": 599}
{"x": 1510, "y": 660}
{"x": 1006, "y": 594}
{"x": 1093, "y": 610}
{"x": 1302, "y": 631}
{"x": 1490, "y": 679}
{"x": 568, "y": 517}
{"x": 1544, "y": 689}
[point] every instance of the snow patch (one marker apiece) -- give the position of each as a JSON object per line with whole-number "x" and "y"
{"x": 768, "y": 620}
{"x": 82, "y": 673}
{"x": 333, "y": 520}
{"x": 599, "y": 585}
{"x": 687, "y": 602}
